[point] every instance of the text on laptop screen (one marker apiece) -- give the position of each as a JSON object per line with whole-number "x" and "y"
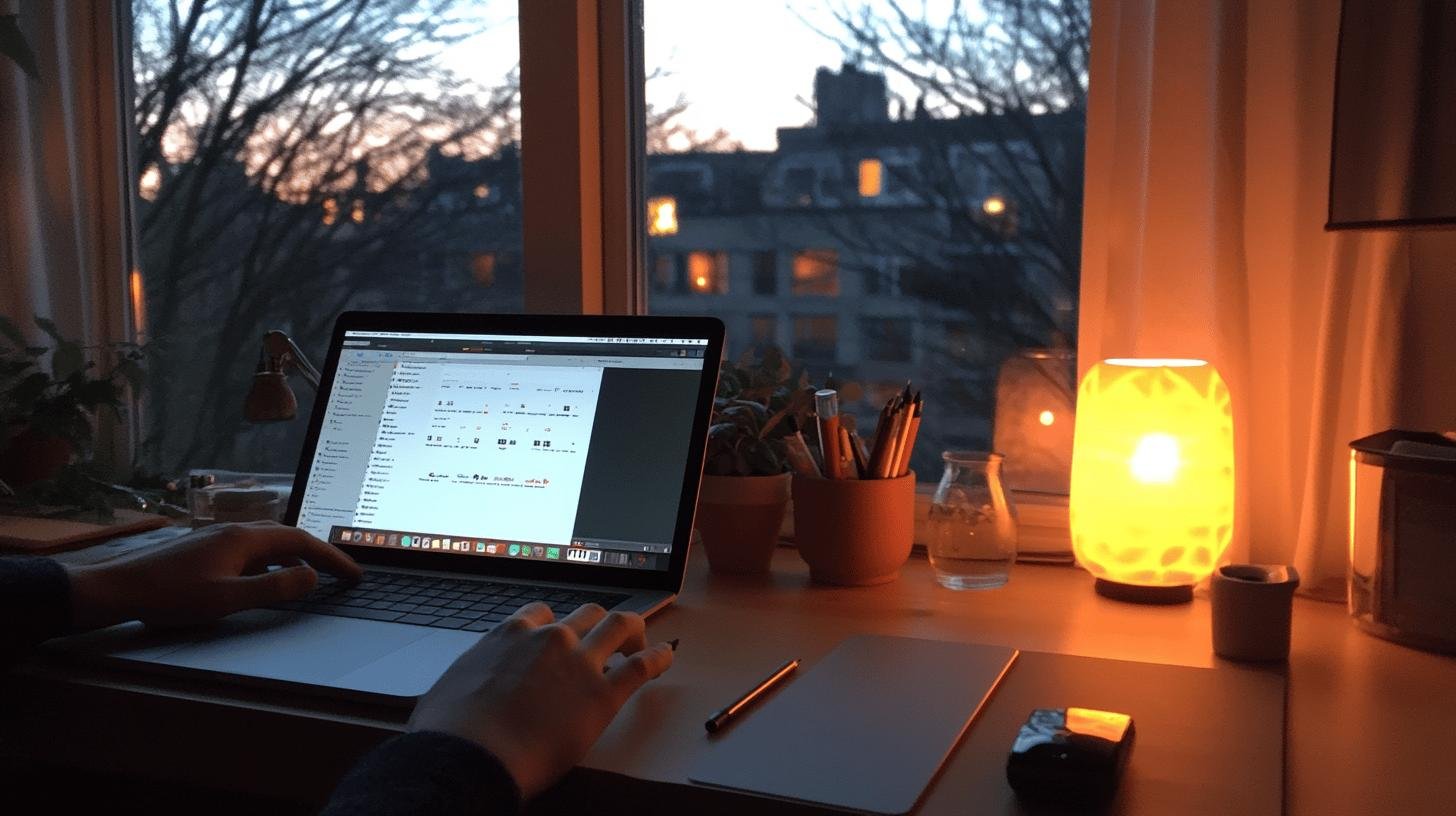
{"x": 569, "y": 449}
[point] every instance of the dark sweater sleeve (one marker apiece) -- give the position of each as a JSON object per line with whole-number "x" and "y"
{"x": 426, "y": 773}
{"x": 35, "y": 603}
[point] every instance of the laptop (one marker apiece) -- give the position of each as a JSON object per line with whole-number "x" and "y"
{"x": 473, "y": 464}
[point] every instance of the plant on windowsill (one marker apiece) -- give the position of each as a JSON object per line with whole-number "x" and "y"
{"x": 762, "y": 399}
{"x": 48, "y": 412}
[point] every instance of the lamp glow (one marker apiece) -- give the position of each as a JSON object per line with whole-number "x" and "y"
{"x": 1046, "y": 418}
{"x": 1152, "y": 504}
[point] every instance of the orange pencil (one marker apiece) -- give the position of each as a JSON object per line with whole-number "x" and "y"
{"x": 907, "y": 447}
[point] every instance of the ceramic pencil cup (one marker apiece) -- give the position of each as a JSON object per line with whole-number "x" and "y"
{"x": 854, "y": 532}
{"x": 1252, "y": 608}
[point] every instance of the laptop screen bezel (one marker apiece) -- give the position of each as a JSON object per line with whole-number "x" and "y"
{"x": 669, "y": 580}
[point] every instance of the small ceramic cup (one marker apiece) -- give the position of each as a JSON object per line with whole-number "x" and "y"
{"x": 1252, "y": 606}
{"x": 854, "y": 532}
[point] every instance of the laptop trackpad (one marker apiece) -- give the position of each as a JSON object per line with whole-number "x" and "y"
{"x": 305, "y": 649}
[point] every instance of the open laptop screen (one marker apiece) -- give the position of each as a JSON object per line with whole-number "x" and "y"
{"x": 568, "y": 449}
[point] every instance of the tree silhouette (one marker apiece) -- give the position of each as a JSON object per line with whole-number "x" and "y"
{"x": 990, "y": 224}
{"x": 297, "y": 158}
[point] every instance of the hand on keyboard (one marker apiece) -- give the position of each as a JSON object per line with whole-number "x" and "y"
{"x": 205, "y": 574}
{"x": 533, "y": 692}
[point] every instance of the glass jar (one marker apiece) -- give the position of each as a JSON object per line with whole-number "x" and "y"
{"x": 972, "y": 528}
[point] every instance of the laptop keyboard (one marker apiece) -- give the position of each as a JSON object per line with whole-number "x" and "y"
{"x": 444, "y": 603}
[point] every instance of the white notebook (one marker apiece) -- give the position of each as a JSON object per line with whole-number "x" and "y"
{"x": 866, "y": 729}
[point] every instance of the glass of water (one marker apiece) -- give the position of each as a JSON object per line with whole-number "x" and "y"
{"x": 972, "y": 528}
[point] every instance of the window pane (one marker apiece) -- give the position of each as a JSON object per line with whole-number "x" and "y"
{"x": 816, "y": 339}
{"x": 297, "y": 159}
{"x": 913, "y": 212}
{"x": 816, "y": 272}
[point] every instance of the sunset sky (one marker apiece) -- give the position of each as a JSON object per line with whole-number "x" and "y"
{"x": 741, "y": 63}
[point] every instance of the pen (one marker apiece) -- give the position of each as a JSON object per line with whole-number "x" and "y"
{"x": 731, "y": 711}
{"x": 826, "y": 407}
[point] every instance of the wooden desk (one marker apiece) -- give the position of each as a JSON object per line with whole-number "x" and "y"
{"x": 1367, "y": 720}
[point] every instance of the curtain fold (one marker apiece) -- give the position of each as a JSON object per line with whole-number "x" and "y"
{"x": 62, "y": 234}
{"x": 1208, "y": 143}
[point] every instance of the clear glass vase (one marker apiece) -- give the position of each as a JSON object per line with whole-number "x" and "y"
{"x": 972, "y": 530}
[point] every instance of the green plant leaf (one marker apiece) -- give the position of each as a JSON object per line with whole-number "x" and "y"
{"x": 68, "y": 360}
{"x": 11, "y": 332}
{"x": 49, "y": 327}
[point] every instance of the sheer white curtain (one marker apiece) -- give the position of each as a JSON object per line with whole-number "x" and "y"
{"x": 1208, "y": 144}
{"x": 62, "y": 250}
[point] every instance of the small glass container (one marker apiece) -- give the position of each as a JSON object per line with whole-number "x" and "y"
{"x": 972, "y": 528}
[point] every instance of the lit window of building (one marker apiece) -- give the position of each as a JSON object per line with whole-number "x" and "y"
{"x": 357, "y": 213}
{"x": 816, "y": 272}
{"x": 708, "y": 272}
{"x": 870, "y": 181}
{"x": 482, "y": 190}
{"x": 662, "y": 216}
{"x": 331, "y": 212}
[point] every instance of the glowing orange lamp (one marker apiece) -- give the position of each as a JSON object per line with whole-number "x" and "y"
{"x": 1152, "y": 504}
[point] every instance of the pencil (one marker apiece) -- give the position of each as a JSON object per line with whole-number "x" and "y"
{"x": 848, "y": 467}
{"x": 911, "y": 432}
{"x": 898, "y": 421}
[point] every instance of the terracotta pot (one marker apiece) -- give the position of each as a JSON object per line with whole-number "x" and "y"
{"x": 854, "y": 532}
{"x": 739, "y": 519}
{"x": 31, "y": 456}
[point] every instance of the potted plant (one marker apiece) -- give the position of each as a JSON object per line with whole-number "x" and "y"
{"x": 47, "y": 411}
{"x": 745, "y": 488}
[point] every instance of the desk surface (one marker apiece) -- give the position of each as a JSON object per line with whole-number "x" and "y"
{"x": 1366, "y": 718}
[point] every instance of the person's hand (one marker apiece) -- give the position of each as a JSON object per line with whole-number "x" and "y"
{"x": 205, "y": 575}
{"x": 534, "y": 693}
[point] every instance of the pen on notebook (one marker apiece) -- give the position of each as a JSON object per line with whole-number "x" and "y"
{"x": 826, "y": 408}
{"x": 731, "y": 712}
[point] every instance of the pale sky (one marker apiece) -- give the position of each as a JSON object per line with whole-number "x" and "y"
{"x": 740, "y": 63}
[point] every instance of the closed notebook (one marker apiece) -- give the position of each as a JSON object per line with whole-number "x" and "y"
{"x": 866, "y": 729}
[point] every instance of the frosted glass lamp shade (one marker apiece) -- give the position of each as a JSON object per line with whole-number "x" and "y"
{"x": 1152, "y": 494}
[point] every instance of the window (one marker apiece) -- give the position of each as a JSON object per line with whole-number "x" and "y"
{"x": 664, "y": 274}
{"x": 708, "y": 273}
{"x": 887, "y": 339}
{"x": 816, "y": 272}
{"x": 662, "y": 216}
{"x": 765, "y": 272}
{"x": 870, "y": 183}
{"x": 968, "y": 129}
{"x": 882, "y": 276}
{"x": 764, "y": 330}
{"x": 925, "y": 205}
{"x": 287, "y": 168}
{"x": 816, "y": 338}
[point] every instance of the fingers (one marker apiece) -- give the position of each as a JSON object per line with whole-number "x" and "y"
{"x": 287, "y": 584}
{"x": 583, "y": 618}
{"x": 532, "y": 615}
{"x": 634, "y": 672}
{"x": 275, "y": 543}
{"x": 618, "y": 632}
